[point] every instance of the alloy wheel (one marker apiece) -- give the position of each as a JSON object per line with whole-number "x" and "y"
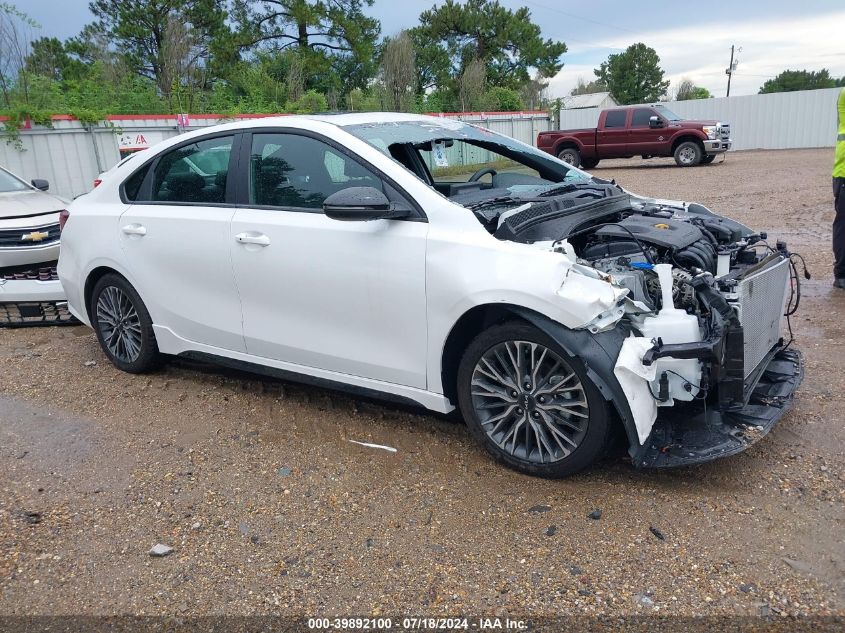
{"x": 530, "y": 401}
{"x": 119, "y": 324}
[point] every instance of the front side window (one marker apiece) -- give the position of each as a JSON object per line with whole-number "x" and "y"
{"x": 194, "y": 173}
{"x": 615, "y": 118}
{"x": 292, "y": 170}
{"x": 642, "y": 116}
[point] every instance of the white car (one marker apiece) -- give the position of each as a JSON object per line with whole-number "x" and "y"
{"x": 30, "y": 218}
{"x": 431, "y": 261}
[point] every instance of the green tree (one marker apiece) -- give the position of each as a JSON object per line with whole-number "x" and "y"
{"x": 633, "y": 76}
{"x": 507, "y": 42}
{"x": 501, "y": 99}
{"x": 791, "y": 80}
{"x": 584, "y": 88}
{"x": 335, "y": 38}
{"x": 687, "y": 90}
{"x": 165, "y": 40}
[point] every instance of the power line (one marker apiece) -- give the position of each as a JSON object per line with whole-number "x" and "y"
{"x": 578, "y": 17}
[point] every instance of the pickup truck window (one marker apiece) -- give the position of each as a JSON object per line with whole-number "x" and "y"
{"x": 641, "y": 117}
{"x": 667, "y": 113}
{"x": 615, "y": 118}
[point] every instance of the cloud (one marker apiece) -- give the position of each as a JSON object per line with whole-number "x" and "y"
{"x": 701, "y": 52}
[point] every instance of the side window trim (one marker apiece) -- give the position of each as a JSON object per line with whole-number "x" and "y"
{"x": 243, "y": 173}
{"x": 145, "y": 190}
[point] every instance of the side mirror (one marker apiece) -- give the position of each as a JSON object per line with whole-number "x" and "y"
{"x": 40, "y": 184}
{"x": 654, "y": 121}
{"x": 361, "y": 204}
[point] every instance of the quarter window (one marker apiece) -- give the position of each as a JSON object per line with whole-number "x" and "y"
{"x": 615, "y": 118}
{"x": 291, "y": 170}
{"x": 641, "y": 117}
{"x": 194, "y": 173}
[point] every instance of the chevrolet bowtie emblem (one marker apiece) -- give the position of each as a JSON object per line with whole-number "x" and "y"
{"x": 35, "y": 236}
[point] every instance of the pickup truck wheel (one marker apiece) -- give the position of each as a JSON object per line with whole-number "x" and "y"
{"x": 589, "y": 163}
{"x": 688, "y": 154}
{"x": 530, "y": 403}
{"x": 708, "y": 159}
{"x": 570, "y": 155}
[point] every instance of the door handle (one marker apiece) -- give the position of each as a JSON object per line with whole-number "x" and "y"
{"x": 251, "y": 238}
{"x": 134, "y": 229}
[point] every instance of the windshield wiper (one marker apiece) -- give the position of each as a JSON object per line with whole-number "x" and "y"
{"x": 492, "y": 201}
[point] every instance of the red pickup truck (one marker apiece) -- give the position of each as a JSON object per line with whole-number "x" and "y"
{"x": 646, "y": 131}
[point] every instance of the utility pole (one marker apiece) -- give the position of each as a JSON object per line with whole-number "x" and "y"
{"x": 731, "y": 68}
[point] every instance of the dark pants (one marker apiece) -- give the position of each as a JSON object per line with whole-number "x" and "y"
{"x": 839, "y": 228}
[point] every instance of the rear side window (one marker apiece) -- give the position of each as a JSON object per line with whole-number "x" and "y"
{"x": 133, "y": 184}
{"x": 615, "y": 118}
{"x": 291, "y": 170}
{"x": 194, "y": 173}
{"x": 641, "y": 117}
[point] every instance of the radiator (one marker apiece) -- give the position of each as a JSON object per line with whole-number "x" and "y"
{"x": 761, "y": 300}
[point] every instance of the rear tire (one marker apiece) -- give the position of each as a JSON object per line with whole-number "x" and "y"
{"x": 589, "y": 163}
{"x": 688, "y": 154}
{"x": 123, "y": 325}
{"x": 556, "y": 425}
{"x": 570, "y": 155}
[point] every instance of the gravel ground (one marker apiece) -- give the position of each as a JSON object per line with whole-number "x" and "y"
{"x": 269, "y": 508}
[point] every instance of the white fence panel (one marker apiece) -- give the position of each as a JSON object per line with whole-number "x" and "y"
{"x": 782, "y": 120}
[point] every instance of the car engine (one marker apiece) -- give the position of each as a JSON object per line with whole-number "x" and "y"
{"x": 724, "y": 277}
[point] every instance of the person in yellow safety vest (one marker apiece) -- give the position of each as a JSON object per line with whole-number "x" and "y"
{"x": 839, "y": 197}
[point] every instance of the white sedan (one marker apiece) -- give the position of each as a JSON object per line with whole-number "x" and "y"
{"x": 435, "y": 262}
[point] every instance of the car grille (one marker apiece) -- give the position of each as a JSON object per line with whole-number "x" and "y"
{"x": 43, "y": 272}
{"x": 35, "y": 313}
{"x": 762, "y": 299}
{"x": 10, "y": 238}
{"x": 725, "y": 132}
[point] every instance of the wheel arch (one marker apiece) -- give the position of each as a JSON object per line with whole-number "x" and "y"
{"x": 91, "y": 280}
{"x": 598, "y": 352}
{"x": 684, "y": 137}
{"x": 566, "y": 143}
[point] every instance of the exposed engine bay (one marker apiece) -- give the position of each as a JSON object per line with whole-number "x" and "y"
{"x": 709, "y": 295}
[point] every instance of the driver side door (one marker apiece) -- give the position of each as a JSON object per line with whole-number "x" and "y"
{"x": 343, "y": 297}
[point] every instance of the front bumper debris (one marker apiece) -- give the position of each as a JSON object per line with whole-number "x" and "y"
{"x": 32, "y": 295}
{"x": 692, "y": 434}
{"x": 27, "y": 314}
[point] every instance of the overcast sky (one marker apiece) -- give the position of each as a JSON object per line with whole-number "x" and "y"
{"x": 693, "y": 39}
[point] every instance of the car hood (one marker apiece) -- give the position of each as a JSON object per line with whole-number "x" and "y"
{"x": 23, "y": 204}
{"x": 692, "y": 124}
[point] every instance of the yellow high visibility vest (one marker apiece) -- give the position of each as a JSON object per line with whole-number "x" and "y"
{"x": 839, "y": 161}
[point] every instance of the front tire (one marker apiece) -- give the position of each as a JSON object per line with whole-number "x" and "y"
{"x": 709, "y": 158}
{"x": 570, "y": 155}
{"x": 123, "y": 325}
{"x": 530, "y": 403}
{"x": 688, "y": 154}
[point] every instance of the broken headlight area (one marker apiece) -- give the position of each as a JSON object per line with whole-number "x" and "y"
{"x": 702, "y": 362}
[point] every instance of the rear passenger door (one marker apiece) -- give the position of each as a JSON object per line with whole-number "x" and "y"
{"x": 612, "y": 136}
{"x": 175, "y": 236}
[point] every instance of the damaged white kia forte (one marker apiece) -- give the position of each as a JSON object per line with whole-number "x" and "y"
{"x": 432, "y": 261}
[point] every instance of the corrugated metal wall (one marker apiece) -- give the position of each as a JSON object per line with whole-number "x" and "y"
{"x": 783, "y": 120}
{"x": 71, "y": 156}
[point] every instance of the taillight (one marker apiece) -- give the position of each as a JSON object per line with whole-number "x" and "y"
{"x": 97, "y": 182}
{"x": 63, "y": 216}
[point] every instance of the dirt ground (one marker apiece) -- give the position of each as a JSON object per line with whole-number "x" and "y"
{"x": 271, "y": 509}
